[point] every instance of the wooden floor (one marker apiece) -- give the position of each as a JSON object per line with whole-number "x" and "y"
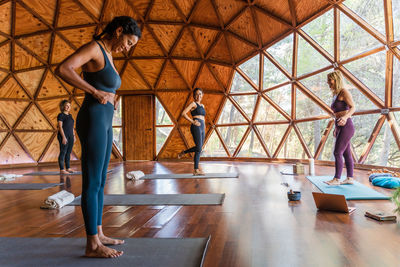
{"x": 255, "y": 226}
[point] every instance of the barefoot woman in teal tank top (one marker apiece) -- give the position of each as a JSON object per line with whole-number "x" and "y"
{"x": 94, "y": 121}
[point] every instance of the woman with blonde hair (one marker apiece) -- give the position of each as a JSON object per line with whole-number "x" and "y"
{"x": 342, "y": 107}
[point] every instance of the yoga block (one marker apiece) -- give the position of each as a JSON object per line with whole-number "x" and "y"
{"x": 298, "y": 169}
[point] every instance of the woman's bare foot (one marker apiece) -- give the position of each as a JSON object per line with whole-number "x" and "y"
{"x": 110, "y": 241}
{"x": 63, "y": 172}
{"x": 334, "y": 181}
{"x": 180, "y": 155}
{"x": 102, "y": 251}
{"x": 70, "y": 170}
{"x": 348, "y": 180}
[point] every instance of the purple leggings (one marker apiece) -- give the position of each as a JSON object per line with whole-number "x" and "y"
{"x": 342, "y": 149}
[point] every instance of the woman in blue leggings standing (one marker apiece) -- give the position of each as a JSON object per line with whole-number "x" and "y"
{"x": 197, "y": 128}
{"x": 94, "y": 121}
{"x": 343, "y": 107}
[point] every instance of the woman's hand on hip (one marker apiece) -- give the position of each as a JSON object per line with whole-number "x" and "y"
{"x": 342, "y": 121}
{"x": 197, "y": 123}
{"x": 101, "y": 96}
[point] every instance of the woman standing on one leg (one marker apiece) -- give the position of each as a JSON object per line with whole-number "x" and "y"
{"x": 197, "y": 128}
{"x": 94, "y": 121}
{"x": 343, "y": 108}
{"x": 65, "y": 136}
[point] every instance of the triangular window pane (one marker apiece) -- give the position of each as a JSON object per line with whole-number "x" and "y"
{"x": 232, "y": 136}
{"x": 283, "y": 97}
{"x": 306, "y": 108}
{"x": 321, "y": 30}
{"x": 266, "y": 112}
{"x": 312, "y": 132}
{"x": 247, "y": 103}
{"x": 117, "y": 136}
{"x": 396, "y": 19}
{"x": 272, "y": 75}
{"x": 309, "y": 59}
{"x": 117, "y": 119}
{"x": 162, "y": 117}
{"x": 230, "y": 114}
{"x": 327, "y": 150}
{"x": 371, "y": 11}
{"x": 354, "y": 39}
{"x": 319, "y": 86}
{"x": 282, "y": 51}
{"x": 360, "y": 100}
{"x": 272, "y": 135}
{"x": 251, "y": 68}
{"x": 385, "y": 151}
{"x": 252, "y": 147}
{"x": 364, "y": 125}
{"x": 214, "y": 147}
{"x": 239, "y": 85}
{"x": 370, "y": 71}
{"x": 396, "y": 82}
{"x": 292, "y": 149}
{"x": 162, "y": 134}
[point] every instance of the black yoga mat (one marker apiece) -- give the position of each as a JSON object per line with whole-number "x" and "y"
{"x": 189, "y": 175}
{"x": 34, "y": 186}
{"x": 158, "y": 199}
{"x": 55, "y": 173}
{"x": 166, "y": 252}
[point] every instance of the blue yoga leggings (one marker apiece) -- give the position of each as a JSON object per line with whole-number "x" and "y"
{"x": 94, "y": 128}
{"x": 342, "y": 149}
{"x": 198, "y": 134}
{"x": 65, "y": 151}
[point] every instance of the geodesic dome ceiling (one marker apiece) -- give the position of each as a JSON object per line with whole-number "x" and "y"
{"x": 262, "y": 65}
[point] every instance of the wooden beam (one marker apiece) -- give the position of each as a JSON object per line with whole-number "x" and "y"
{"x": 372, "y": 139}
{"x": 336, "y": 35}
{"x": 246, "y": 134}
{"x": 282, "y": 142}
{"x": 324, "y": 138}
{"x": 389, "y": 79}
{"x": 264, "y": 146}
{"x": 302, "y": 141}
{"x": 292, "y": 12}
{"x": 394, "y": 126}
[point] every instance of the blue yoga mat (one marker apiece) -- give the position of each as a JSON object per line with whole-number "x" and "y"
{"x": 350, "y": 191}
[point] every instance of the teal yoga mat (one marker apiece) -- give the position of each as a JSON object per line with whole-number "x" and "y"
{"x": 354, "y": 191}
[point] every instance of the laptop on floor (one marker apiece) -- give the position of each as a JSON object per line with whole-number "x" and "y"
{"x": 331, "y": 202}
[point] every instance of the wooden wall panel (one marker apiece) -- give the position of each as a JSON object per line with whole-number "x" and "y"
{"x": 141, "y": 6}
{"x": 11, "y": 89}
{"x": 164, "y": 10}
{"x": 241, "y": 48}
{"x": 186, "y": 6}
{"x": 212, "y": 102}
{"x": 38, "y": 44}
{"x": 5, "y": 18}
{"x": 149, "y": 47}
{"x": 68, "y": 7}
{"x": 170, "y": 78}
{"x": 45, "y": 8}
{"x": 185, "y": 129}
{"x": 94, "y": 6}
{"x": 131, "y": 80}
{"x": 150, "y": 68}
{"x": 118, "y": 8}
{"x": 60, "y": 50}
{"x": 51, "y": 87}
{"x": 79, "y": 36}
{"x": 229, "y": 9}
{"x": 173, "y": 147}
{"x": 25, "y": 22}
{"x": 31, "y": 79}
{"x": 220, "y": 52}
{"x": 174, "y": 102}
{"x": 35, "y": 142}
{"x": 52, "y": 152}
{"x": 3, "y": 75}
{"x": 186, "y": 46}
{"x": 268, "y": 28}
{"x": 223, "y": 73}
{"x": 204, "y": 37}
{"x": 305, "y": 8}
{"x": 277, "y": 8}
{"x": 3, "y": 126}
{"x": 13, "y": 153}
{"x": 244, "y": 26}
{"x": 205, "y": 14}
{"x": 207, "y": 81}
{"x": 188, "y": 69}
{"x": 34, "y": 120}
{"x": 5, "y": 56}
{"x": 24, "y": 60}
{"x": 166, "y": 34}
{"x": 12, "y": 110}
{"x": 51, "y": 109}
{"x": 2, "y": 135}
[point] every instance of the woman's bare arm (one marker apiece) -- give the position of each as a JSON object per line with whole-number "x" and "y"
{"x": 186, "y": 110}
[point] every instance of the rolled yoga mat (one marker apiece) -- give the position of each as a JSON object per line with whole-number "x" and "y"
{"x": 166, "y": 252}
{"x": 55, "y": 173}
{"x": 354, "y": 191}
{"x": 158, "y": 199}
{"x": 34, "y": 186}
{"x": 189, "y": 176}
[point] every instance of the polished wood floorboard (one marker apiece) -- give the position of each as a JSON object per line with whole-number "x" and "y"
{"x": 255, "y": 226}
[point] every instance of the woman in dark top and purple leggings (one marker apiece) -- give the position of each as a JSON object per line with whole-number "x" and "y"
{"x": 343, "y": 107}
{"x": 65, "y": 136}
{"x": 197, "y": 128}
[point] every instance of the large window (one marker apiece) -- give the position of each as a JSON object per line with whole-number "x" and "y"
{"x": 117, "y": 127}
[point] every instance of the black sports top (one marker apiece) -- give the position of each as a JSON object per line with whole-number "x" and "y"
{"x": 199, "y": 110}
{"x": 106, "y": 79}
{"x": 68, "y": 124}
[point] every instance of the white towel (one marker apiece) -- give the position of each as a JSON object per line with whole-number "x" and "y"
{"x": 9, "y": 176}
{"x": 58, "y": 200}
{"x": 134, "y": 175}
